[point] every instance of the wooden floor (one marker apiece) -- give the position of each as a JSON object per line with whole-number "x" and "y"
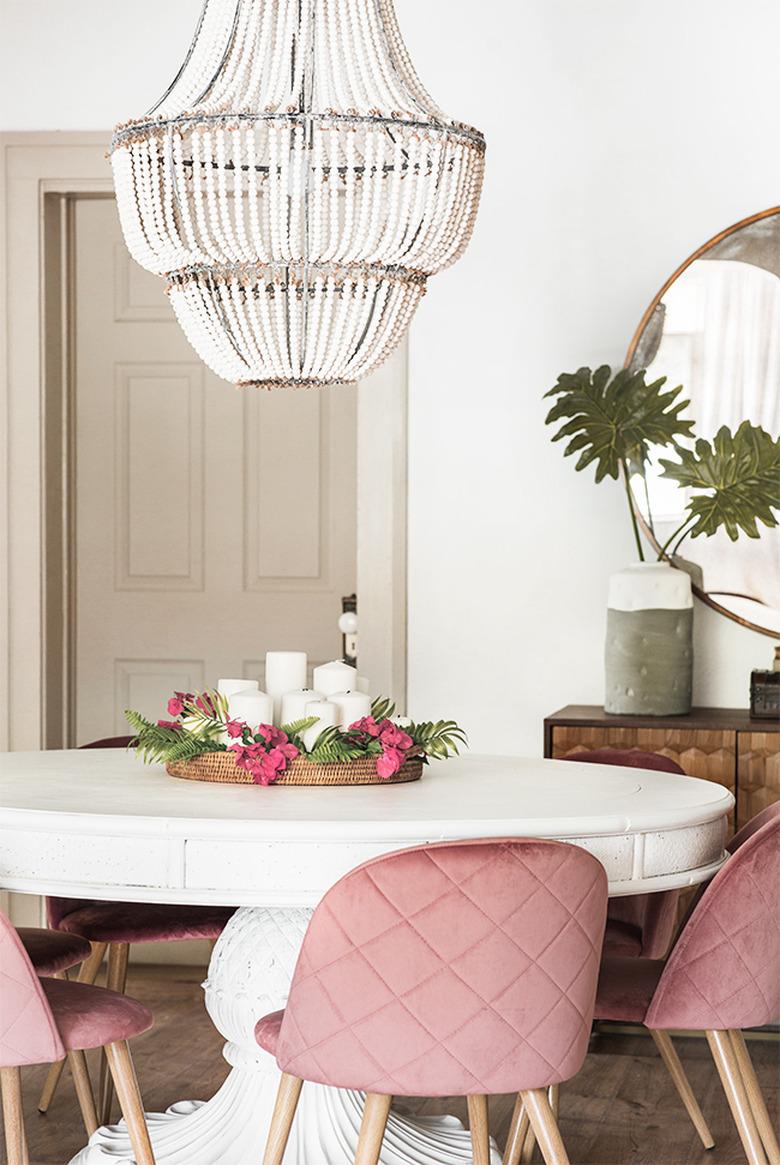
{"x": 620, "y": 1109}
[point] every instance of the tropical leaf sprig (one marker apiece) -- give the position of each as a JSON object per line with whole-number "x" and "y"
{"x": 735, "y": 481}
{"x": 613, "y": 422}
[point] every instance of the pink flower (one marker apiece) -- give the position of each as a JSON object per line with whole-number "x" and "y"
{"x": 389, "y": 763}
{"x": 392, "y": 736}
{"x": 168, "y": 724}
{"x": 175, "y": 705}
{"x": 367, "y": 724}
{"x": 204, "y": 703}
{"x": 235, "y": 728}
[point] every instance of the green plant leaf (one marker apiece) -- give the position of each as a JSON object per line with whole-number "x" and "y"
{"x": 737, "y": 479}
{"x": 609, "y": 420}
{"x": 296, "y": 727}
{"x": 438, "y": 739}
{"x": 382, "y": 708}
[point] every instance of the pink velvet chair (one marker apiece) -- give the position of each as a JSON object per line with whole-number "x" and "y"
{"x": 463, "y": 968}
{"x": 45, "y": 1020}
{"x": 723, "y": 975}
{"x": 639, "y": 924}
{"x": 112, "y": 927}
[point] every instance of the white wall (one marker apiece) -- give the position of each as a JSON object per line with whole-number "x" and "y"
{"x": 621, "y": 135}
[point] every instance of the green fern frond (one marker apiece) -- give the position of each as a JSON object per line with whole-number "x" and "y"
{"x": 438, "y": 739}
{"x": 382, "y": 708}
{"x": 297, "y": 727}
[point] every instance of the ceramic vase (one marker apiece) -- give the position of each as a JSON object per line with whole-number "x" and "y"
{"x": 649, "y": 647}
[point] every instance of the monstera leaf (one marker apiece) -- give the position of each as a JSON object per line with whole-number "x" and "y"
{"x": 739, "y": 476}
{"x": 615, "y": 421}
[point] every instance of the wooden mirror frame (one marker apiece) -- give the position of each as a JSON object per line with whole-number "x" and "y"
{"x": 645, "y": 320}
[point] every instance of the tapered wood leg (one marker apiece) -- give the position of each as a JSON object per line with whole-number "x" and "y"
{"x": 372, "y": 1128}
{"x": 755, "y": 1098}
{"x": 116, "y": 978}
{"x": 479, "y": 1126}
{"x": 78, "y": 1067}
{"x": 663, "y": 1041}
{"x": 121, "y": 1065}
{"x": 527, "y": 1148}
{"x": 723, "y": 1054}
{"x": 282, "y": 1119}
{"x": 517, "y": 1133}
{"x": 87, "y": 974}
{"x": 13, "y": 1120}
{"x": 545, "y": 1126}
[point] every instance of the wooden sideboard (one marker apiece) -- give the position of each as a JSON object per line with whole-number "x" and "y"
{"x": 719, "y": 744}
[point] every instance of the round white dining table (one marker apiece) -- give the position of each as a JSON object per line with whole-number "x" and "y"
{"x": 99, "y": 824}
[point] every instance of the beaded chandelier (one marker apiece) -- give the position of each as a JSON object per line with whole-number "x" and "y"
{"x": 296, "y": 186}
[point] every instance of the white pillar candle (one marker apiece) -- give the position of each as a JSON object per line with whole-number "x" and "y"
{"x": 293, "y": 706}
{"x": 328, "y": 716}
{"x": 230, "y": 687}
{"x": 285, "y": 671}
{"x": 251, "y": 706}
{"x": 363, "y": 684}
{"x": 335, "y": 677}
{"x": 352, "y": 706}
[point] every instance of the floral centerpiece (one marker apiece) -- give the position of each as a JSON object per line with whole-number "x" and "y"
{"x": 200, "y": 741}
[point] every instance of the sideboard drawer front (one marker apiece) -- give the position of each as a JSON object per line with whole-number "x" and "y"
{"x": 758, "y": 772}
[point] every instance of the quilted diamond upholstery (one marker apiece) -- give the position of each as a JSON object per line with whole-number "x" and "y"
{"x": 723, "y": 970}
{"x": 753, "y": 825}
{"x": 449, "y": 969}
{"x": 28, "y": 1033}
{"x": 652, "y": 916}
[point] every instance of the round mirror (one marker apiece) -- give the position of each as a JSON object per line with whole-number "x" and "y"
{"x": 714, "y": 328}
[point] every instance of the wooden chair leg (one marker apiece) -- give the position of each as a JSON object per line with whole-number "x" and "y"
{"x": 545, "y": 1127}
{"x": 87, "y": 974}
{"x": 13, "y": 1120}
{"x": 726, "y": 1062}
{"x": 663, "y": 1041}
{"x": 479, "y": 1126}
{"x": 116, "y": 979}
{"x": 755, "y": 1098}
{"x": 281, "y": 1122}
{"x": 80, "y": 1073}
{"x": 528, "y": 1145}
{"x": 517, "y": 1132}
{"x": 121, "y": 1066}
{"x": 372, "y": 1128}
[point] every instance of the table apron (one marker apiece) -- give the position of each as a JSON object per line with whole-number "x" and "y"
{"x": 295, "y": 872}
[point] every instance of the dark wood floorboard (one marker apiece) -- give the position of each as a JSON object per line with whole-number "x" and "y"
{"x": 620, "y": 1110}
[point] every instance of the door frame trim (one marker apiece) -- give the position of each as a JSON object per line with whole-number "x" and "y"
{"x": 34, "y": 658}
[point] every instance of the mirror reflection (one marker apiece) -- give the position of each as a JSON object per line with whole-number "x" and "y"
{"x": 715, "y": 329}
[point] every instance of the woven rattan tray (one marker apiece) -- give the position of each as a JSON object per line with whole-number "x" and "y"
{"x": 220, "y": 767}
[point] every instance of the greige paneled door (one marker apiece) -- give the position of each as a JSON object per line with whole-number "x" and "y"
{"x": 212, "y": 524}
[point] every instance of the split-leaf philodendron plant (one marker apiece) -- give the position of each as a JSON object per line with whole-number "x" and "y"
{"x": 617, "y": 421}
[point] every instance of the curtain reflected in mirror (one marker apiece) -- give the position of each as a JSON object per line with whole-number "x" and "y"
{"x": 715, "y": 329}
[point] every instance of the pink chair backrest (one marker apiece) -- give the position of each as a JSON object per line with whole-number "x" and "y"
{"x": 450, "y": 969}
{"x": 633, "y": 758}
{"x": 28, "y": 1033}
{"x": 59, "y": 908}
{"x": 752, "y": 826}
{"x": 724, "y": 969}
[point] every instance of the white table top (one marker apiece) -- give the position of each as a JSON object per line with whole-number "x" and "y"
{"x": 101, "y": 824}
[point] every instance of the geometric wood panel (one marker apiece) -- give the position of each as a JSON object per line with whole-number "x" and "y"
{"x": 145, "y": 685}
{"x": 158, "y": 496}
{"x": 758, "y": 769}
{"x": 707, "y": 753}
{"x": 138, "y": 295}
{"x": 286, "y": 443}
